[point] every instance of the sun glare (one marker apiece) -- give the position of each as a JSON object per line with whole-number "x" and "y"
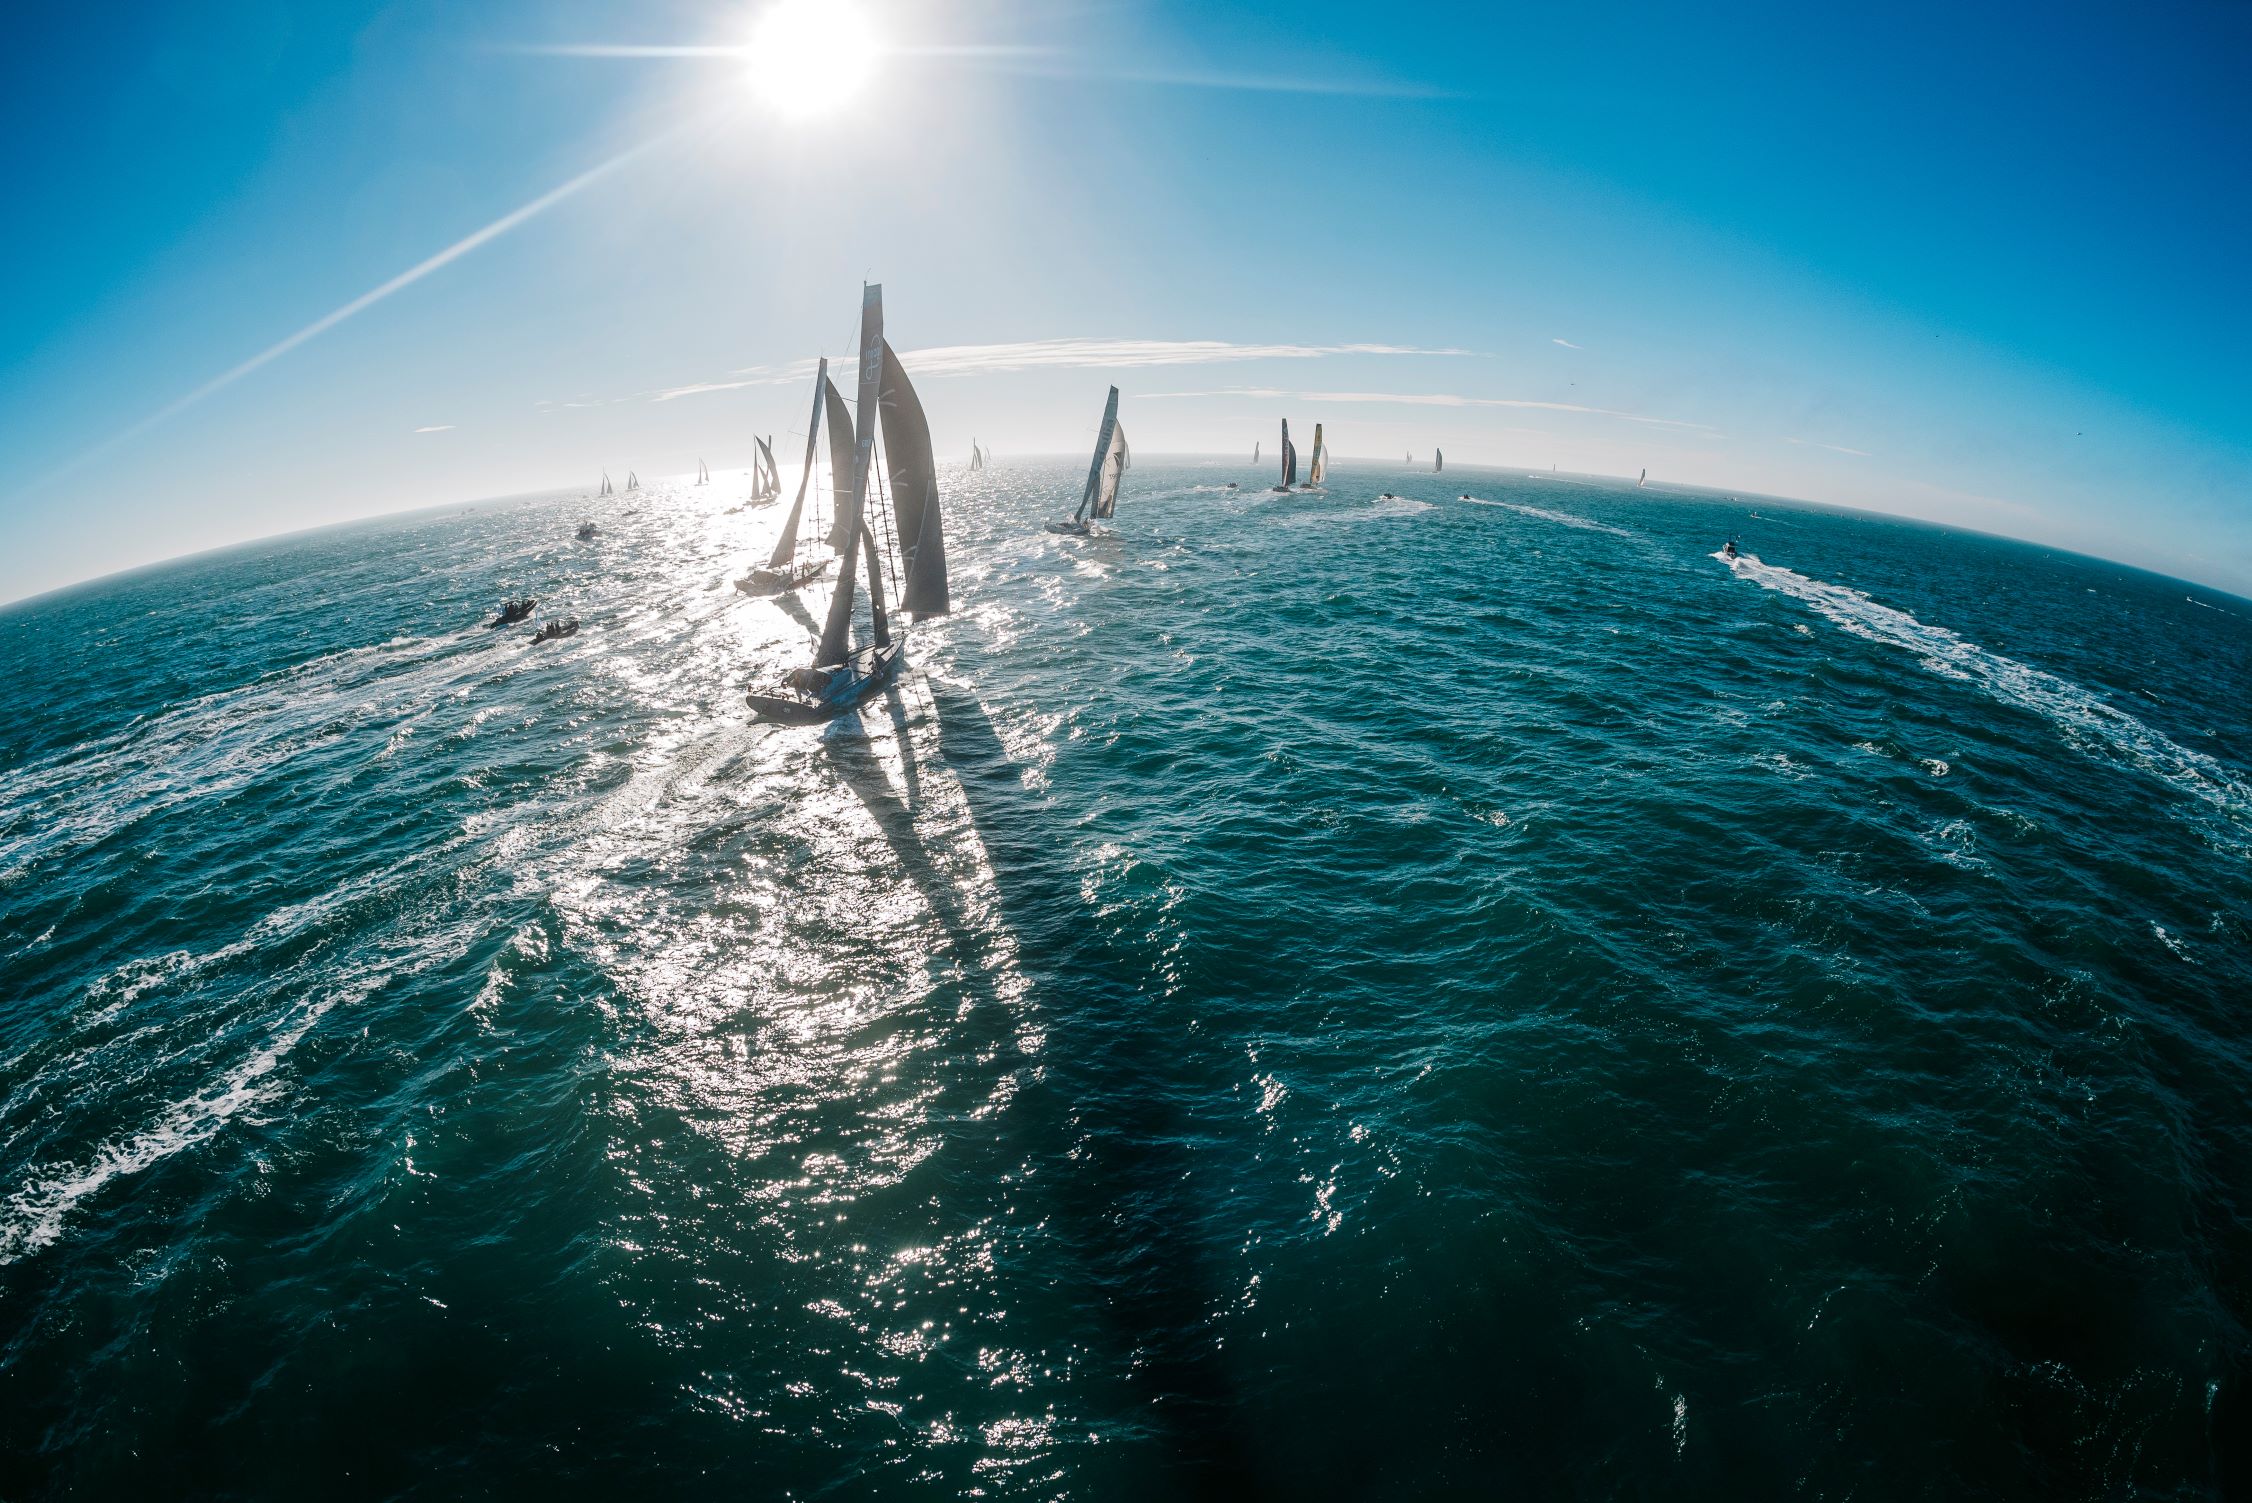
{"x": 809, "y": 57}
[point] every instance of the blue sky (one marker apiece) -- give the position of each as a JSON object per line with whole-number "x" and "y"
{"x": 1977, "y": 265}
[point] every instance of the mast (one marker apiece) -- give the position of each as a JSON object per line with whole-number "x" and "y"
{"x": 836, "y": 632}
{"x": 1101, "y": 477}
{"x": 786, "y": 546}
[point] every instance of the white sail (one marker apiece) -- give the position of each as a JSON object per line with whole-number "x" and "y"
{"x": 1318, "y": 470}
{"x": 1110, "y": 464}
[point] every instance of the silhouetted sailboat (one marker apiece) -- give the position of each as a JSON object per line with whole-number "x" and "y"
{"x": 1112, "y": 460}
{"x": 1645, "y": 480}
{"x": 977, "y": 457}
{"x": 1438, "y": 460}
{"x": 1289, "y": 459}
{"x": 841, "y": 675}
{"x": 1317, "y": 469}
{"x": 783, "y": 571}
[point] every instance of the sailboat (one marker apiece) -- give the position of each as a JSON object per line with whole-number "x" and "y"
{"x": 703, "y": 473}
{"x": 1317, "y": 469}
{"x": 843, "y": 676}
{"x": 783, "y": 571}
{"x": 1645, "y": 480}
{"x": 607, "y": 488}
{"x": 1112, "y": 460}
{"x": 1289, "y": 459}
{"x": 1438, "y": 460}
{"x": 633, "y": 481}
{"x": 977, "y": 457}
{"x": 1255, "y": 451}
{"x": 766, "y": 479}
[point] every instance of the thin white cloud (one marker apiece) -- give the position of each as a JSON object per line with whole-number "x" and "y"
{"x": 437, "y": 428}
{"x": 1566, "y": 343}
{"x": 1432, "y": 399}
{"x": 1037, "y": 354}
{"x": 1815, "y": 443}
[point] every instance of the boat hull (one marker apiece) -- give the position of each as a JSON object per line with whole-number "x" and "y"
{"x": 782, "y": 581}
{"x": 846, "y": 687}
{"x": 1072, "y": 529}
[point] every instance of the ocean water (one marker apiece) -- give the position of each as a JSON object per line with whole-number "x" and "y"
{"x": 1303, "y": 997}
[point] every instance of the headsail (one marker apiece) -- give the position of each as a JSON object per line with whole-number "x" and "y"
{"x": 836, "y": 632}
{"x": 1110, "y": 464}
{"x": 914, "y": 493}
{"x": 786, "y": 546}
{"x": 840, "y": 463}
{"x": 1318, "y": 470}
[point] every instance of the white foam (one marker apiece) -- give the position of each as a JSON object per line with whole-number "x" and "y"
{"x": 33, "y": 1217}
{"x": 1564, "y": 518}
{"x": 2090, "y": 724}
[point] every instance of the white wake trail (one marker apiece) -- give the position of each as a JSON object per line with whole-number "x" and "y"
{"x": 2092, "y": 725}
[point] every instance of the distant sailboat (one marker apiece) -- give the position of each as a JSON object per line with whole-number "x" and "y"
{"x": 1317, "y": 469}
{"x": 977, "y": 457}
{"x": 783, "y": 571}
{"x": 633, "y": 481}
{"x": 766, "y": 478}
{"x": 703, "y": 473}
{"x": 842, "y": 676}
{"x": 607, "y": 488}
{"x": 1289, "y": 459}
{"x": 1645, "y": 480}
{"x": 1112, "y": 460}
{"x": 1438, "y": 460}
{"x": 1255, "y": 451}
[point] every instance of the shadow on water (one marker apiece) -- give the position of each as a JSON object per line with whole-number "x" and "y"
{"x": 1103, "y": 1118}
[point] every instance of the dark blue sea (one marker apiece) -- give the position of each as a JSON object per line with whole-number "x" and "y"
{"x": 1457, "y": 996}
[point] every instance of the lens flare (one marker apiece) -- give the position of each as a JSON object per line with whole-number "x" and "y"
{"x": 810, "y": 57}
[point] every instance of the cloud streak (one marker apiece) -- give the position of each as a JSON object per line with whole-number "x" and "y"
{"x": 437, "y": 428}
{"x": 1566, "y": 343}
{"x": 1432, "y": 399}
{"x": 1815, "y": 443}
{"x": 1049, "y": 354}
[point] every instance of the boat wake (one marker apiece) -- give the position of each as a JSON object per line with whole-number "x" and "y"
{"x": 2090, "y": 724}
{"x": 1562, "y": 518}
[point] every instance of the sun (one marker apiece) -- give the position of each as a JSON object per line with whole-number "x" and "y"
{"x": 810, "y": 57}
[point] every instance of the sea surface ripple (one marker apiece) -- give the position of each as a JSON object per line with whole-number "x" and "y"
{"x": 1451, "y": 995}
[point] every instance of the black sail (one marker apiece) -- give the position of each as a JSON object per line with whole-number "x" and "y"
{"x": 914, "y": 494}
{"x": 786, "y": 546}
{"x": 840, "y": 462}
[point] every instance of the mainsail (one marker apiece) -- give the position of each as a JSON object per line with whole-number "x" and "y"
{"x": 1289, "y": 458}
{"x": 786, "y": 546}
{"x": 1110, "y": 465}
{"x": 1318, "y": 470}
{"x": 914, "y": 493}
